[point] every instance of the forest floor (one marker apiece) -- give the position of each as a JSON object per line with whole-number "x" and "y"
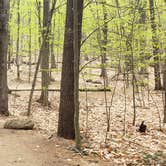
{"x": 123, "y": 144}
{"x": 30, "y": 148}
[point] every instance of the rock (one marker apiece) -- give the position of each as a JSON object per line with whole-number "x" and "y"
{"x": 19, "y": 124}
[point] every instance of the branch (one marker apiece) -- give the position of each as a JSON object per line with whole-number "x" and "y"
{"x": 95, "y": 31}
{"x": 58, "y": 90}
{"x": 88, "y": 63}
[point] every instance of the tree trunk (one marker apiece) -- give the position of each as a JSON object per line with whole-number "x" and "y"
{"x": 40, "y": 56}
{"x": 30, "y": 46}
{"x": 155, "y": 43}
{"x": 3, "y": 57}
{"x": 164, "y": 86}
{"x": 104, "y": 44}
{"x": 53, "y": 63}
{"x": 76, "y": 48}
{"x": 142, "y": 22}
{"x": 18, "y": 40}
{"x": 10, "y": 51}
{"x": 38, "y": 6}
{"x": 45, "y": 55}
{"x": 67, "y": 106}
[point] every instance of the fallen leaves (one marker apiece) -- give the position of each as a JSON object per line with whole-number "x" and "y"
{"x": 130, "y": 147}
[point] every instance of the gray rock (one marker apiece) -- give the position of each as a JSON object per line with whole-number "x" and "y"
{"x": 19, "y": 124}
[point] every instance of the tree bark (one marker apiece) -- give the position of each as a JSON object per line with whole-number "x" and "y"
{"x": 30, "y": 47}
{"x": 76, "y": 48}
{"x": 53, "y": 62}
{"x": 67, "y": 106}
{"x": 3, "y": 57}
{"x": 142, "y": 43}
{"x": 45, "y": 55}
{"x": 40, "y": 56}
{"x": 18, "y": 40}
{"x": 164, "y": 86}
{"x": 104, "y": 44}
{"x": 155, "y": 43}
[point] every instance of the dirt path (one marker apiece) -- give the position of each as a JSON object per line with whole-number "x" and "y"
{"x": 23, "y": 148}
{"x": 29, "y": 148}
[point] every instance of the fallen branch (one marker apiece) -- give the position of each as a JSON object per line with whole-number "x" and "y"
{"x": 58, "y": 90}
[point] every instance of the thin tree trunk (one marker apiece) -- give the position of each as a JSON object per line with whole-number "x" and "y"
{"x": 142, "y": 22}
{"x": 30, "y": 52}
{"x": 53, "y": 63}
{"x": 45, "y": 55}
{"x": 10, "y": 45}
{"x": 155, "y": 43}
{"x": 38, "y": 6}
{"x": 164, "y": 86}
{"x": 131, "y": 43}
{"x": 104, "y": 44}
{"x": 76, "y": 48}
{"x": 39, "y": 59}
{"x": 18, "y": 40}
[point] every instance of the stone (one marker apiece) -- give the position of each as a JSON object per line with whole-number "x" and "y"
{"x": 19, "y": 124}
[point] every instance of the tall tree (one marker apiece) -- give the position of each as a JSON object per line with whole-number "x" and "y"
{"x": 3, "y": 57}
{"x": 164, "y": 85}
{"x": 76, "y": 49}
{"x": 67, "y": 105}
{"x": 53, "y": 63}
{"x": 104, "y": 42}
{"x": 155, "y": 43}
{"x": 142, "y": 43}
{"x": 30, "y": 47}
{"x": 45, "y": 37}
{"x": 45, "y": 53}
{"x": 18, "y": 40}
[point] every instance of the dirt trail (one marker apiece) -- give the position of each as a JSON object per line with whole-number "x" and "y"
{"x": 23, "y": 148}
{"x": 29, "y": 148}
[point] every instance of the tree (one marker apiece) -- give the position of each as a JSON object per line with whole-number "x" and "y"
{"x": 45, "y": 37}
{"x": 155, "y": 43}
{"x": 142, "y": 43}
{"x": 104, "y": 42}
{"x": 3, "y": 57}
{"x": 164, "y": 85}
{"x": 76, "y": 48}
{"x": 53, "y": 63}
{"x": 30, "y": 47}
{"x": 18, "y": 41}
{"x": 45, "y": 54}
{"x": 67, "y": 105}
